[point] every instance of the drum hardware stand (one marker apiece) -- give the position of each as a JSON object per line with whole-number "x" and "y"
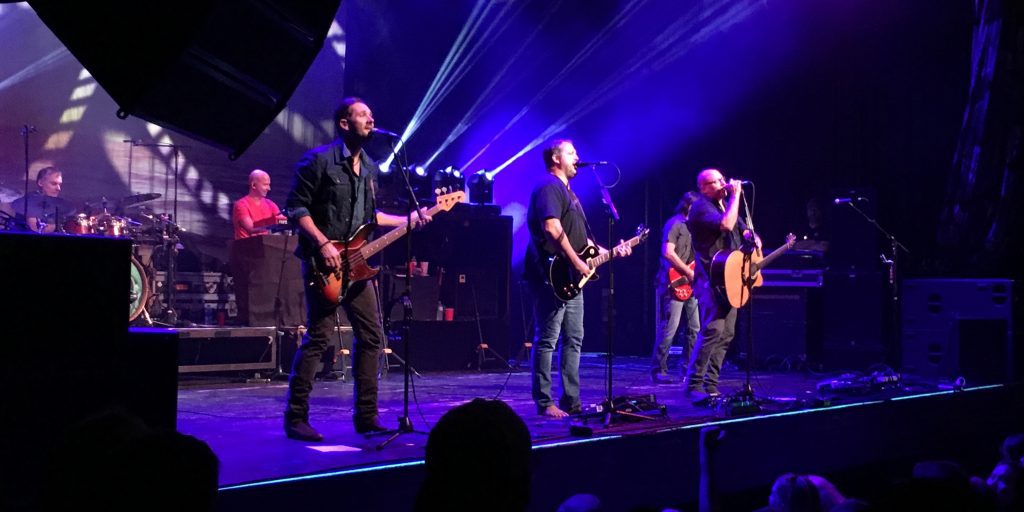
{"x": 170, "y": 316}
{"x": 484, "y": 352}
{"x": 405, "y": 421}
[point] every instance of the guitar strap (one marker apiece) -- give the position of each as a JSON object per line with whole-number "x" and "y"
{"x": 579, "y": 207}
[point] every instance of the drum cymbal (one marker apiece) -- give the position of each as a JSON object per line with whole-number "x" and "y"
{"x": 139, "y": 199}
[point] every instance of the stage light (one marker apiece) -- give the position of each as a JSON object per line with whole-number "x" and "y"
{"x": 418, "y": 170}
{"x": 481, "y": 187}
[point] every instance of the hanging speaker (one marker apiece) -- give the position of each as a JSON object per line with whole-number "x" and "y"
{"x": 218, "y": 71}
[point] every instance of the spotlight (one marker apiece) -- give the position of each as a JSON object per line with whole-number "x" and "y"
{"x": 419, "y": 170}
{"x": 481, "y": 188}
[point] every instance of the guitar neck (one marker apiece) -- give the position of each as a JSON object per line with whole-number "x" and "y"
{"x": 387, "y": 238}
{"x": 604, "y": 258}
{"x": 771, "y": 257}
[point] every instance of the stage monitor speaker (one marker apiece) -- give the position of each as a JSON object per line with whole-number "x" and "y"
{"x": 218, "y": 71}
{"x": 958, "y": 328}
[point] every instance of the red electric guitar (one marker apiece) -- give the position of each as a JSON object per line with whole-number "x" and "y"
{"x": 682, "y": 288}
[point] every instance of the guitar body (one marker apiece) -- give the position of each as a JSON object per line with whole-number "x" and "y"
{"x": 731, "y": 273}
{"x": 565, "y": 281}
{"x": 682, "y": 288}
{"x": 334, "y": 285}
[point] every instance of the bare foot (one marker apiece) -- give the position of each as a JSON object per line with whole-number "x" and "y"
{"x": 553, "y": 411}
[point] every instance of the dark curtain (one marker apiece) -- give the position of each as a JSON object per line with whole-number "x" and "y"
{"x": 980, "y": 229}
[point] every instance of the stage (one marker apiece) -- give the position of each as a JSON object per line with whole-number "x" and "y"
{"x": 242, "y": 422}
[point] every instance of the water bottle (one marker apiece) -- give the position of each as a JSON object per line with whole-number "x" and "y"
{"x": 207, "y": 314}
{"x": 440, "y": 312}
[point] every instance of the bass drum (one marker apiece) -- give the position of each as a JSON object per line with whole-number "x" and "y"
{"x": 139, "y": 291}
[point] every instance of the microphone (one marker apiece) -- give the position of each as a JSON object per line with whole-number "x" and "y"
{"x": 385, "y": 132}
{"x": 590, "y": 164}
{"x": 848, "y": 200}
{"x": 27, "y": 129}
{"x": 745, "y": 182}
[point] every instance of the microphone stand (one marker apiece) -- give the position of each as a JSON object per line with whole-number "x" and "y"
{"x": 893, "y": 278}
{"x": 25, "y": 130}
{"x": 611, "y": 412}
{"x": 405, "y": 421}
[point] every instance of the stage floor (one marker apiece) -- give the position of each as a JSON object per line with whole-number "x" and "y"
{"x": 243, "y": 422}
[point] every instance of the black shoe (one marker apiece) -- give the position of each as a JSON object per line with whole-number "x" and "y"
{"x": 300, "y": 430}
{"x": 712, "y": 390}
{"x": 661, "y": 378}
{"x": 695, "y": 395}
{"x": 370, "y": 426}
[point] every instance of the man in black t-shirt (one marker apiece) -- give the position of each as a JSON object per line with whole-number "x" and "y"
{"x": 715, "y": 225}
{"x": 557, "y": 226}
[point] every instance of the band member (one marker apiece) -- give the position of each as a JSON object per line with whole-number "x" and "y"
{"x": 332, "y": 196}
{"x": 676, "y": 254}
{"x": 252, "y": 214}
{"x": 557, "y": 225}
{"x": 45, "y": 208}
{"x": 715, "y": 225}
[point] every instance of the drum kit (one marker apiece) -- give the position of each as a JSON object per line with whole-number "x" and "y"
{"x": 147, "y": 230}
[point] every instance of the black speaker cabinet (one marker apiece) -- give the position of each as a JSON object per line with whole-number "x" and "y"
{"x": 853, "y": 320}
{"x": 958, "y": 327}
{"x": 784, "y": 325}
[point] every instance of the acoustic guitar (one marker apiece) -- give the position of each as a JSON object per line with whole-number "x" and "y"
{"x": 739, "y": 275}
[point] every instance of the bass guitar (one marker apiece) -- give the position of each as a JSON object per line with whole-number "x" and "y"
{"x": 682, "y": 288}
{"x": 567, "y": 283}
{"x": 739, "y": 275}
{"x": 334, "y": 284}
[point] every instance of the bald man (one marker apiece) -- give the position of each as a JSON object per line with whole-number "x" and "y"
{"x": 253, "y": 213}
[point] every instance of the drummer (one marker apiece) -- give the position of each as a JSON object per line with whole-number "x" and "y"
{"x": 45, "y": 208}
{"x": 254, "y": 213}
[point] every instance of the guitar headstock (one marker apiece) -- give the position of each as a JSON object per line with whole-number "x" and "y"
{"x": 446, "y": 202}
{"x": 642, "y": 232}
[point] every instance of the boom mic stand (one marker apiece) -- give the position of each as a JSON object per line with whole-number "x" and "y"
{"x": 612, "y": 412}
{"x": 894, "y": 288}
{"x": 404, "y": 421}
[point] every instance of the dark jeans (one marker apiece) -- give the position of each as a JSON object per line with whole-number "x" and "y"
{"x": 553, "y": 318}
{"x": 361, "y": 307}
{"x": 671, "y": 313}
{"x": 718, "y": 320}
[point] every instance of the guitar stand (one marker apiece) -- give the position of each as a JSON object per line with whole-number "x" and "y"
{"x": 484, "y": 352}
{"x": 328, "y": 373}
